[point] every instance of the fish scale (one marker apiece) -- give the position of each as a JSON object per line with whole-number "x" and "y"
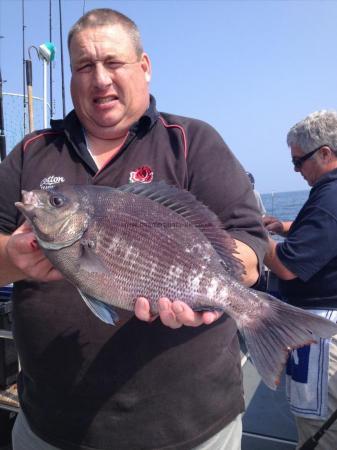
{"x": 145, "y": 235}
{"x": 167, "y": 250}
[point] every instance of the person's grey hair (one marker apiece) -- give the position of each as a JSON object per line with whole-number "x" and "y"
{"x": 319, "y": 128}
{"x": 102, "y": 17}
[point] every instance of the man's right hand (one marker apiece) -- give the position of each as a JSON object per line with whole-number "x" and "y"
{"x": 22, "y": 258}
{"x": 174, "y": 314}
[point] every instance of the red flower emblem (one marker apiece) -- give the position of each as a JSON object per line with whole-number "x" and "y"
{"x": 143, "y": 174}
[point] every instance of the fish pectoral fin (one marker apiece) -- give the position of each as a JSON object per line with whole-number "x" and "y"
{"x": 90, "y": 261}
{"x": 104, "y": 312}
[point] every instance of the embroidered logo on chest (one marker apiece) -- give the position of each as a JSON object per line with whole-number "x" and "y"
{"x": 51, "y": 181}
{"x": 143, "y": 174}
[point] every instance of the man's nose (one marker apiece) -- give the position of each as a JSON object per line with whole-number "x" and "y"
{"x": 102, "y": 77}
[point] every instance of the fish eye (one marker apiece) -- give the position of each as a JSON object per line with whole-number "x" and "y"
{"x": 56, "y": 200}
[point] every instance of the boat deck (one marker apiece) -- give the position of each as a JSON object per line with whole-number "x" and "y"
{"x": 268, "y": 423}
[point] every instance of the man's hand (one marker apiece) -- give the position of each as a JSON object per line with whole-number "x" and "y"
{"x": 174, "y": 314}
{"x": 22, "y": 258}
{"x": 273, "y": 225}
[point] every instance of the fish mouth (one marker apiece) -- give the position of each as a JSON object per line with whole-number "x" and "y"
{"x": 30, "y": 201}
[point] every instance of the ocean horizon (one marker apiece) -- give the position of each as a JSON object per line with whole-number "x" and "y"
{"x": 285, "y": 205}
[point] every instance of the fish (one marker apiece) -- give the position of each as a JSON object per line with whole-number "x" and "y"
{"x": 155, "y": 240}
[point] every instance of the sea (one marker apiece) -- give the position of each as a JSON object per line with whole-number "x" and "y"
{"x": 284, "y": 205}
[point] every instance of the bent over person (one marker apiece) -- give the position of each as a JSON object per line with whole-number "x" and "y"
{"x": 306, "y": 263}
{"x": 172, "y": 382}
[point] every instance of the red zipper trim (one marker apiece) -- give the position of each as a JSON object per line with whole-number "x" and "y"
{"x": 25, "y": 145}
{"x": 166, "y": 125}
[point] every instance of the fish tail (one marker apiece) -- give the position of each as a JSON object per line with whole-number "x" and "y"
{"x": 278, "y": 330}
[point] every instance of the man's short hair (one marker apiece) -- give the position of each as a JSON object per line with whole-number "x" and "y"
{"x": 317, "y": 129}
{"x": 102, "y": 17}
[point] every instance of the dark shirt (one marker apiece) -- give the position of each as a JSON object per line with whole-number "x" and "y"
{"x": 310, "y": 249}
{"x": 85, "y": 384}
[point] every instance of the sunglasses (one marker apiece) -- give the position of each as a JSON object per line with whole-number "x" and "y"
{"x": 298, "y": 162}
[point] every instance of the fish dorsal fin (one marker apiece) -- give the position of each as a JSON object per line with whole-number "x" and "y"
{"x": 101, "y": 310}
{"x": 185, "y": 204}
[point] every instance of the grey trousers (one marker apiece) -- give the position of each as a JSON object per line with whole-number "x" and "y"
{"x": 308, "y": 427}
{"x": 229, "y": 438}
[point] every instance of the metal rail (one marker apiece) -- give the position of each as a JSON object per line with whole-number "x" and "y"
{"x": 269, "y": 438}
{"x": 8, "y": 397}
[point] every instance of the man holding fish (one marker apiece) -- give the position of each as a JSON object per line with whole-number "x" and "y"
{"x": 149, "y": 382}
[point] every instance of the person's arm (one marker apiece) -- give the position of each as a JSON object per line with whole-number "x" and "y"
{"x": 8, "y": 272}
{"x": 276, "y": 226}
{"x": 21, "y": 258}
{"x": 250, "y": 262}
{"x": 273, "y": 262}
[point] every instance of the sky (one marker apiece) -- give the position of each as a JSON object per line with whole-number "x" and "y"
{"x": 252, "y": 69}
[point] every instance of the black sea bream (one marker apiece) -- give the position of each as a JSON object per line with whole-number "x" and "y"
{"x": 156, "y": 240}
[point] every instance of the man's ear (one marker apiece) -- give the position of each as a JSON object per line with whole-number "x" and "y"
{"x": 326, "y": 153}
{"x": 146, "y": 66}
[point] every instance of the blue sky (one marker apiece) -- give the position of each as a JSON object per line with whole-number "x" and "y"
{"x": 250, "y": 68}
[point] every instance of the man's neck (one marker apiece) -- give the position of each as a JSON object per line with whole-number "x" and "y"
{"x": 103, "y": 150}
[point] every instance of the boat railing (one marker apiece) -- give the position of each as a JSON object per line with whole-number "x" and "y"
{"x": 9, "y": 367}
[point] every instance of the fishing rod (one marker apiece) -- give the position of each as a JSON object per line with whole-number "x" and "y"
{"x": 51, "y": 67}
{"x": 62, "y": 69}
{"x": 313, "y": 441}
{"x": 45, "y": 53}
{"x": 29, "y": 78}
{"x": 23, "y": 65}
{"x": 2, "y": 125}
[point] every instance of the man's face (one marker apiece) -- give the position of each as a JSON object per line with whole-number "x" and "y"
{"x": 312, "y": 168}
{"x": 109, "y": 84}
